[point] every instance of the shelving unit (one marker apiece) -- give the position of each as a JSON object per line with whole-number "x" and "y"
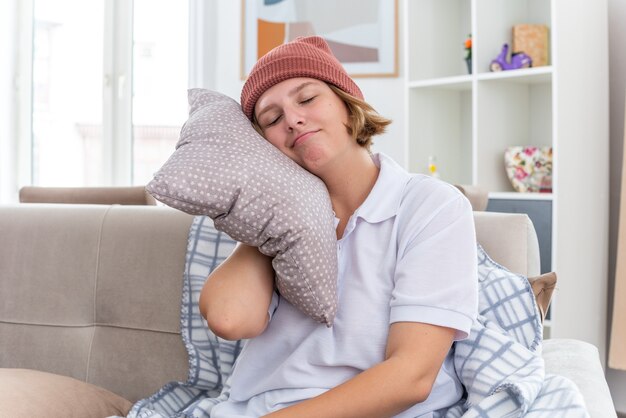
{"x": 466, "y": 121}
{"x": 450, "y": 109}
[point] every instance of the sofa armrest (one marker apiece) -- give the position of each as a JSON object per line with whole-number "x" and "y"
{"x": 510, "y": 240}
{"x": 579, "y": 361}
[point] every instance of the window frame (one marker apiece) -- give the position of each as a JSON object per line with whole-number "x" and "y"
{"x": 117, "y": 89}
{"x": 116, "y": 93}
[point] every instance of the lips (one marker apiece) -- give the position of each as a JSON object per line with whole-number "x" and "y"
{"x": 303, "y": 137}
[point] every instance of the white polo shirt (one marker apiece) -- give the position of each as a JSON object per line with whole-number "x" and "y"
{"x": 408, "y": 253}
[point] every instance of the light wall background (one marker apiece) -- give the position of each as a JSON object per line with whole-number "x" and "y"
{"x": 385, "y": 94}
{"x": 617, "y": 94}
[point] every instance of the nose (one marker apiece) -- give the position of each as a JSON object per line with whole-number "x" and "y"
{"x": 295, "y": 118}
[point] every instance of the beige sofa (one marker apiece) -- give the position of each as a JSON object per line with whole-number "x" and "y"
{"x": 91, "y": 293}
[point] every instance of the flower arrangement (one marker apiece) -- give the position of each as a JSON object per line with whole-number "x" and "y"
{"x": 468, "y": 47}
{"x": 468, "y": 53}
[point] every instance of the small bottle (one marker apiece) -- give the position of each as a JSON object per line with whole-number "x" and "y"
{"x": 432, "y": 166}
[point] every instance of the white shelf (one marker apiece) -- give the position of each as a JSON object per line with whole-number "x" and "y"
{"x": 462, "y": 82}
{"x": 520, "y": 196}
{"x": 524, "y": 75}
{"x": 467, "y": 121}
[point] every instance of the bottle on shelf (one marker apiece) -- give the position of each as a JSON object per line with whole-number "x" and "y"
{"x": 432, "y": 166}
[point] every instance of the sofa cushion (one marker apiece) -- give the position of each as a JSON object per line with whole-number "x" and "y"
{"x": 211, "y": 358}
{"x": 543, "y": 287}
{"x": 30, "y": 393}
{"x": 224, "y": 169}
{"x": 579, "y": 361}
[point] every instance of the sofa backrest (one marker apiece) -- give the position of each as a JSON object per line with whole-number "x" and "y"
{"x": 131, "y": 195}
{"x": 93, "y": 292}
{"x": 510, "y": 239}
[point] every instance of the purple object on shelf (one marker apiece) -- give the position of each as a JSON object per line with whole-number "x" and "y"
{"x": 518, "y": 60}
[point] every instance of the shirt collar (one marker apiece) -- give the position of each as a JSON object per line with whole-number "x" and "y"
{"x": 384, "y": 199}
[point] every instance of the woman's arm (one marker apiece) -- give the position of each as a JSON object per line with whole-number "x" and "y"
{"x": 415, "y": 353}
{"x": 237, "y": 294}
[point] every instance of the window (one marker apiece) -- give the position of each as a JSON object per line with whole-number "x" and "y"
{"x": 109, "y": 88}
{"x": 160, "y": 57}
{"x": 67, "y": 92}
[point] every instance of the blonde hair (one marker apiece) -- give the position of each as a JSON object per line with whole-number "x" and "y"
{"x": 363, "y": 121}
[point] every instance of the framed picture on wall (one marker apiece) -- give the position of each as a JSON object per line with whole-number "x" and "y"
{"x": 363, "y": 34}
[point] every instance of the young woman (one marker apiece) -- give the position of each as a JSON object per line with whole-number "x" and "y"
{"x": 407, "y": 283}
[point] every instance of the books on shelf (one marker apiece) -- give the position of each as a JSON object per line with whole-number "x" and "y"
{"x": 533, "y": 41}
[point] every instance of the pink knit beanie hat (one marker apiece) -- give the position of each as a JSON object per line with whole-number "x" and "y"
{"x": 302, "y": 57}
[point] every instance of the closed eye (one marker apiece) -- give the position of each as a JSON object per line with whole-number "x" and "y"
{"x": 305, "y": 101}
{"x": 274, "y": 121}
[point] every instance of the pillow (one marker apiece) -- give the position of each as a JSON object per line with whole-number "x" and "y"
{"x": 507, "y": 301}
{"x": 31, "y": 393}
{"x": 224, "y": 169}
{"x": 543, "y": 287}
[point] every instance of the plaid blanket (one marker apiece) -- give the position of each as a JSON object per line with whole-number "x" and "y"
{"x": 499, "y": 364}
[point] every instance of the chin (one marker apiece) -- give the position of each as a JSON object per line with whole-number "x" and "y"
{"x": 313, "y": 159}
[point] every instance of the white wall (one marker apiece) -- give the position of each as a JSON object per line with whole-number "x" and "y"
{"x": 386, "y": 95}
{"x": 617, "y": 92}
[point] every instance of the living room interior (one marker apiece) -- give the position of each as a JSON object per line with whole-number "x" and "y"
{"x": 94, "y": 95}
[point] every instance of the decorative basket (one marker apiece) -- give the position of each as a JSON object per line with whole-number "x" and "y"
{"x": 529, "y": 168}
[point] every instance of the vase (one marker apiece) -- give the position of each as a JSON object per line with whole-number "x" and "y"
{"x": 468, "y": 61}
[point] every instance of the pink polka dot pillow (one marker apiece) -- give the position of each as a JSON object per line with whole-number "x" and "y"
{"x": 224, "y": 169}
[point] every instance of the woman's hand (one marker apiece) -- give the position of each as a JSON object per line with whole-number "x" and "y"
{"x": 236, "y": 296}
{"x": 415, "y": 353}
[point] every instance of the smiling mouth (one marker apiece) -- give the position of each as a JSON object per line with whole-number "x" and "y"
{"x": 303, "y": 138}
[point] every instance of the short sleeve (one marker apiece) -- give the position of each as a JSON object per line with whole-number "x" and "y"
{"x": 436, "y": 281}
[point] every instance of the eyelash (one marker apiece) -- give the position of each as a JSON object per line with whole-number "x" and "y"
{"x": 273, "y": 122}
{"x": 305, "y": 101}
